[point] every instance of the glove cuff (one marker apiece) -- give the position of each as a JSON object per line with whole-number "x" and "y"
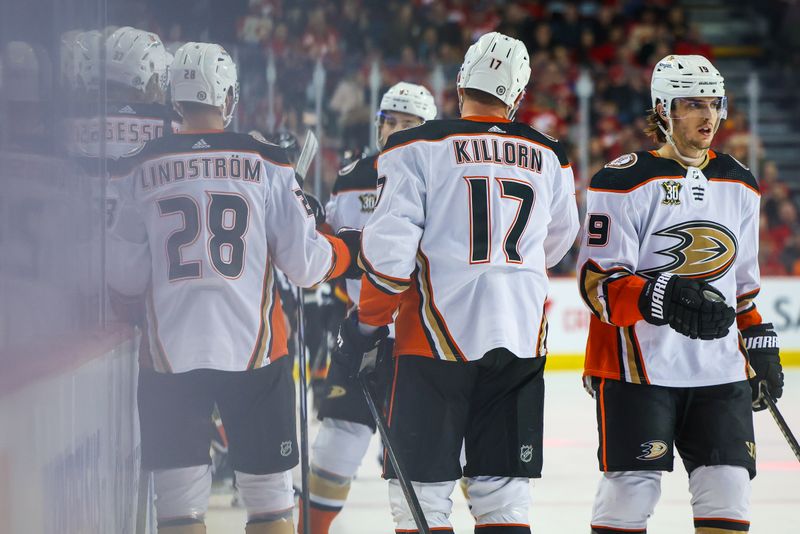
{"x": 653, "y": 302}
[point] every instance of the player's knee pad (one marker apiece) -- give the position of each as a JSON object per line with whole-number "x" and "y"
{"x": 720, "y": 496}
{"x": 266, "y": 497}
{"x": 626, "y": 499}
{"x": 182, "y": 494}
{"x": 499, "y": 500}
{"x": 434, "y": 499}
{"x": 340, "y": 446}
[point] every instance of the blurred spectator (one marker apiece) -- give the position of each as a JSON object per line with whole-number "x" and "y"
{"x": 616, "y": 41}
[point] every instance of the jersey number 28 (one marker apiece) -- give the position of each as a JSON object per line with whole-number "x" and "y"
{"x": 227, "y": 221}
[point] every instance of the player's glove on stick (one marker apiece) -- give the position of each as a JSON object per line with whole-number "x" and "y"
{"x": 761, "y": 343}
{"x": 352, "y": 238}
{"x": 692, "y": 308}
{"x": 355, "y": 351}
{"x": 317, "y": 207}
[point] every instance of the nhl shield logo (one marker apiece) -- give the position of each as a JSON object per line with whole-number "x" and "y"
{"x": 286, "y": 448}
{"x": 526, "y": 453}
{"x": 672, "y": 193}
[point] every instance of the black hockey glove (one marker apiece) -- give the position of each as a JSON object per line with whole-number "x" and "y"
{"x": 692, "y": 308}
{"x": 355, "y": 351}
{"x": 317, "y": 207}
{"x": 761, "y": 343}
{"x": 352, "y": 238}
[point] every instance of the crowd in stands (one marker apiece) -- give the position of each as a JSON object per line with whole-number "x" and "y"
{"x": 616, "y": 41}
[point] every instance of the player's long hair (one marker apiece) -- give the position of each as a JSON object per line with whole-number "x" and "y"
{"x": 652, "y": 130}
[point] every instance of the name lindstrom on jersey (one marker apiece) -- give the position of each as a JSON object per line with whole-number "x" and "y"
{"x": 158, "y": 173}
{"x": 507, "y": 152}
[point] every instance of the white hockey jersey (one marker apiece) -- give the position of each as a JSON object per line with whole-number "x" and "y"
{"x": 127, "y": 127}
{"x": 203, "y": 219}
{"x": 647, "y": 215}
{"x": 470, "y": 214}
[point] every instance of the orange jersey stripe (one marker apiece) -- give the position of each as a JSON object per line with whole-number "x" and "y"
{"x": 603, "y": 355}
{"x": 623, "y": 299}
{"x": 749, "y": 318}
{"x": 279, "y": 346}
{"x": 375, "y": 306}
{"x": 341, "y": 257}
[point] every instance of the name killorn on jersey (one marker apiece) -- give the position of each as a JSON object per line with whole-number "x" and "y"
{"x": 512, "y": 153}
{"x": 159, "y": 173}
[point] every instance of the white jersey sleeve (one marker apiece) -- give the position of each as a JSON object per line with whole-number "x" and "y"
{"x": 748, "y": 278}
{"x": 391, "y": 238}
{"x": 297, "y": 249}
{"x": 609, "y": 252}
{"x": 564, "y": 223}
{"x": 128, "y": 251}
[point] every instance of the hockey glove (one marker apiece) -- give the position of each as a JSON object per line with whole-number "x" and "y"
{"x": 317, "y": 207}
{"x": 692, "y": 308}
{"x": 355, "y": 351}
{"x": 761, "y": 343}
{"x": 352, "y": 238}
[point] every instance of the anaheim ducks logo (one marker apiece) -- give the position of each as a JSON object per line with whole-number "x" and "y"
{"x": 336, "y": 392}
{"x": 705, "y": 250}
{"x": 653, "y": 450}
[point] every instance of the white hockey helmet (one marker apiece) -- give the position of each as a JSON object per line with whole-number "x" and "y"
{"x": 686, "y": 77}
{"x": 87, "y": 59}
{"x": 134, "y": 56}
{"x": 496, "y": 64}
{"x": 409, "y": 98}
{"x": 204, "y": 73}
{"x": 68, "y": 60}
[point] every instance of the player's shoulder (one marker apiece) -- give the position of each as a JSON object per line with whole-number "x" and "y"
{"x": 199, "y": 143}
{"x": 357, "y": 176}
{"x": 629, "y": 171}
{"x": 540, "y": 138}
{"x": 725, "y": 167}
{"x": 437, "y": 130}
{"x": 140, "y": 111}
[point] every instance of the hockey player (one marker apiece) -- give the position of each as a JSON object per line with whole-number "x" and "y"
{"x": 670, "y": 249}
{"x": 205, "y": 215}
{"x": 136, "y": 74}
{"x": 347, "y": 425}
{"x": 470, "y": 214}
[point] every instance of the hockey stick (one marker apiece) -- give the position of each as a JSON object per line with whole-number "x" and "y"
{"x": 383, "y": 429}
{"x": 779, "y": 420}
{"x": 304, "y": 459}
{"x": 310, "y": 147}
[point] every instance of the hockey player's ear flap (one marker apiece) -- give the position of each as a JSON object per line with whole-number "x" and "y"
{"x": 352, "y": 238}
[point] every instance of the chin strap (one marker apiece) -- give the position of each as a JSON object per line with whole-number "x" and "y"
{"x": 668, "y": 134}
